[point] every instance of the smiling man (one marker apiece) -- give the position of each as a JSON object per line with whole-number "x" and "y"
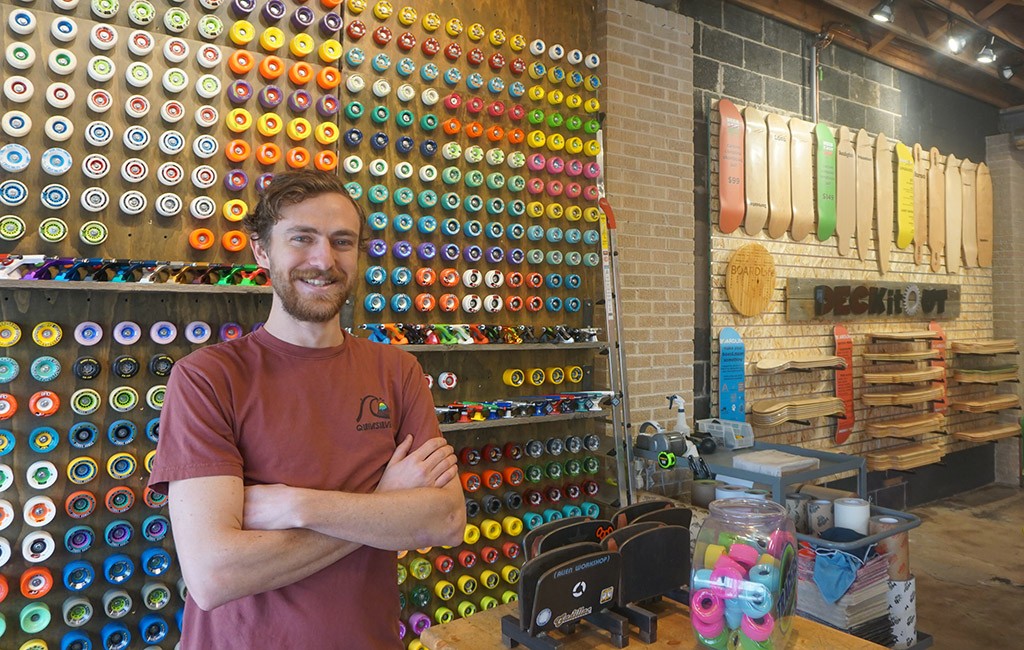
{"x": 297, "y": 459}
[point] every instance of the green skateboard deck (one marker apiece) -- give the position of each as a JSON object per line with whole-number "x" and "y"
{"x": 904, "y": 196}
{"x": 731, "y": 201}
{"x": 826, "y": 175}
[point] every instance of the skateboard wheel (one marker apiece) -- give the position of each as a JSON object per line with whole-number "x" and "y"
{"x": 79, "y": 505}
{"x": 80, "y": 471}
{"x": 85, "y": 401}
{"x": 119, "y": 499}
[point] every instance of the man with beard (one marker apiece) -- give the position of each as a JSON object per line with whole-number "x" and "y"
{"x": 299, "y": 458}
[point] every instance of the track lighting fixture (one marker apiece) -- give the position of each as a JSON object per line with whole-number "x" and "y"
{"x": 883, "y": 12}
{"x": 987, "y": 53}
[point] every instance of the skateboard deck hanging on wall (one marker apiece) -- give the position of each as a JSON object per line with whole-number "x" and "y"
{"x": 731, "y": 201}
{"x": 732, "y": 377}
{"x": 883, "y": 200}
{"x": 846, "y": 190}
{"x": 755, "y": 165}
{"x": 865, "y": 193}
{"x": 780, "y": 197}
{"x": 844, "y": 383}
{"x": 936, "y": 209}
{"x": 920, "y": 203}
{"x": 983, "y": 186}
{"x": 954, "y": 213}
{"x": 969, "y": 229}
{"x": 904, "y": 196}
{"x": 801, "y": 150}
{"x": 938, "y": 345}
{"x": 826, "y": 181}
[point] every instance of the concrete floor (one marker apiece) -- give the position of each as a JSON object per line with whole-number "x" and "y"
{"x": 968, "y": 557}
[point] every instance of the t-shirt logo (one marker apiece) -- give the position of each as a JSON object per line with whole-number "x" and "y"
{"x": 374, "y": 413}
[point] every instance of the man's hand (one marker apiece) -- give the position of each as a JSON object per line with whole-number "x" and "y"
{"x": 432, "y": 465}
{"x": 269, "y": 507}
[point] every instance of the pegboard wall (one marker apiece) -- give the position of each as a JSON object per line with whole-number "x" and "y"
{"x": 774, "y": 335}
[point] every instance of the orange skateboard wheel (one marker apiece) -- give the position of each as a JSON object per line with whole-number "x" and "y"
{"x": 8, "y": 406}
{"x": 474, "y": 129}
{"x": 495, "y": 133}
{"x": 470, "y": 481}
{"x": 237, "y": 150}
{"x": 268, "y": 153}
{"x": 330, "y": 4}
{"x": 201, "y": 239}
{"x": 326, "y": 161}
{"x": 425, "y": 302}
{"x": 516, "y": 136}
{"x": 271, "y": 68}
{"x": 80, "y": 504}
{"x": 241, "y": 62}
{"x": 301, "y": 73}
{"x": 36, "y": 582}
{"x": 452, "y": 126}
{"x": 297, "y": 157}
{"x": 234, "y": 240}
{"x": 328, "y": 78}
{"x": 4, "y": 589}
{"x": 43, "y": 403}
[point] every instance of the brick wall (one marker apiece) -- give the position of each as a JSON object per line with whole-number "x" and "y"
{"x": 647, "y": 95}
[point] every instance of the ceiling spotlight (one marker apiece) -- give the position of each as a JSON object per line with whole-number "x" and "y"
{"x": 955, "y": 42}
{"x": 1006, "y": 71}
{"x": 987, "y": 54}
{"x": 883, "y": 12}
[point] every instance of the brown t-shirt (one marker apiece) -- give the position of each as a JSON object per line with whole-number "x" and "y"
{"x": 271, "y": 412}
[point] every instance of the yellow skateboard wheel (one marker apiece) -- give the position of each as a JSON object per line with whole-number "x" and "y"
{"x": 536, "y": 93}
{"x": 301, "y": 45}
{"x": 574, "y": 145}
{"x": 535, "y": 376}
{"x": 574, "y": 101}
{"x": 555, "y": 97}
{"x": 431, "y": 22}
{"x": 471, "y": 535}
{"x": 591, "y": 148}
{"x": 554, "y": 210}
{"x": 47, "y": 334}
{"x": 510, "y": 574}
{"x": 490, "y": 529}
{"x": 513, "y": 377}
{"x": 298, "y": 129}
{"x": 555, "y": 375}
{"x": 512, "y": 526}
{"x": 269, "y": 124}
{"x": 272, "y": 39}
{"x": 536, "y": 139}
{"x": 235, "y": 210}
{"x": 556, "y": 142}
{"x": 407, "y": 16}
{"x": 574, "y": 374}
{"x": 239, "y": 120}
{"x": 327, "y": 133}
{"x": 574, "y": 213}
{"x": 592, "y": 106}
{"x": 467, "y": 584}
{"x": 10, "y": 333}
{"x": 535, "y": 209}
{"x": 329, "y": 51}
{"x": 497, "y": 37}
{"x": 592, "y": 214}
{"x": 242, "y": 32}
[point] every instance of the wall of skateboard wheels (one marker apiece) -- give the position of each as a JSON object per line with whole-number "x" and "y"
{"x": 840, "y": 203}
{"x": 85, "y": 550}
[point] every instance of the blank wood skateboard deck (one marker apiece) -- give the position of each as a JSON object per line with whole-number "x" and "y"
{"x": 936, "y": 209}
{"x": 846, "y": 189}
{"x": 731, "y": 202}
{"x": 883, "y": 200}
{"x": 984, "y": 215}
{"x": 826, "y": 180}
{"x": 844, "y": 383}
{"x": 865, "y": 192}
{"x": 755, "y": 163}
{"x": 904, "y": 196}
{"x": 780, "y": 194}
{"x": 801, "y": 150}
{"x": 969, "y": 229}
{"x": 938, "y": 345}
{"x": 954, "y": 213}
{"x": 920, "y": 202}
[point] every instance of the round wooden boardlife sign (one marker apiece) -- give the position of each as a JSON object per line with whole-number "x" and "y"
{"x": 750, "y": 279}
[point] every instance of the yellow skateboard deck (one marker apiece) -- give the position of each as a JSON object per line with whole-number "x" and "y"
{"x": 780, "y": 198}
{"x": 755, "y": 162}
{"x": 801, "y": 148}
{"x": 984, "y": 214}
{"x": 969, "y": 232}
{"x": 936, "y": 208}
{"x": 954, "y": 213}
{"x": 904, "y": 196}
{"x": 846, "y": 190}
{"x": 865, "y": 193}
{"x": 920, "y": 203}
{"x": 883, "y": 200}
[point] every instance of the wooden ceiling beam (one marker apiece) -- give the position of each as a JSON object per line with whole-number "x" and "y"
{"x": 882, "y": 42}
{"x": 988, "y": 10}
{"x": 962, "y": 13}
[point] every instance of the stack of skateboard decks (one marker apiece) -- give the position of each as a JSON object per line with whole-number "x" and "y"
{"x": 905, "y": 376}
{"x": 773, "y": 412}
{"x": 989, "y": 432}
{"x": 918, "y": 335}
{"x": 908, "y": 427}
{"x": 996, "y": 346}
{"x": 817, "y": 362}
{"x": 904, "y": 457}
{"x": 903, "y": 398}
{"x": 986, "y": 375}
{"x": 913, "y": 355}
{"x": 986, "y": 404}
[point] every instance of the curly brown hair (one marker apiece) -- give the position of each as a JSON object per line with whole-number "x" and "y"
{"x": 289, "y": 188}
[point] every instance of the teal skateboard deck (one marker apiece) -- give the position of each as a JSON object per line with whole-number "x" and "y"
{"x": 732, "y": 376}
{"x": 826, "y": 173}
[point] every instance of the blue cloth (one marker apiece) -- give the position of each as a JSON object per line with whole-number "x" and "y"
{"x": 834, "y": 572}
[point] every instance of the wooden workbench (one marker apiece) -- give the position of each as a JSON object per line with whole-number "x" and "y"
{"x": 482, "y": 631}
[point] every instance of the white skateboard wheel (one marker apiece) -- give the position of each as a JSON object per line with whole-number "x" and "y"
{"x": 172, "y": 111}
{"x": 202, "y": 207}
{"x": 206, "y": 116}
{"x": 212, "y": 5}
{"x": 136, "y": 137}
{"x": 210, "y": 27}
{"x": 5, "y": 546}
{"x": 168, "y": 205}
{"x": 209, "y": 56}
{"x": 94, "y": 199}
{"x": 12, "y": 228}
{"x": 6, "y": 475}
{"x": 378, "y": 167}
{"x": 41, "y": 475}
{"x": 20, "y": 56}
{"x": 208, "y": 86}
{"x": 37, "y": 547}
{"x": 428, "y": 173}
{"x": 13, "y": 193}
{"x": 98, "y": 133}
{"x": 140, "y": 43}
{"x": 176, "y": 20}
{"x": 132, "y": 202}
{"x": 196, "y": 332}
{"x": 136, "y": 106}
{"x": 93, "y": 233}
{"x": 556, "y": 52}
{"x": 174, "y": 80}
{"x": 40, "y": 510}
{"x": 58, "y": 128}
{"x": 14, "y": 158}
{"x": 62, "y": 61}
{"x": 537, "y": 47}
{"x": 55, "y": 161}
{"x": 18, "y": 89}
{"x": 171, "y": 143}
{"x": 16, "y": 124}
{"x": 103, "y": 37}
{"x": 175, "y": 50}
{"x": 65, "y": 5}
{"x": 104, "y": 8}
{"x": 592, "y": 61}
{"x": 381, "y": 88}
{"x": 60, "y": 95}
{"x": 353, "y": 164}
{"x": 447, "y": 380}
{"x": 53, "y": 230}
{"x": 138, "y": 74}
{"x": 64, "y": 29}
{"x": 574, "y": 57}
{"x": 95, "y": 166}
{"x": 99, "y": 100}
{"x": 170, "y": 173}
{"x": 141, "y": 12}
{"x": 430, "y": 96}
{"x": 205, "y": 146}
{"x": 22, "y": 22}
{"x": 355, "y": 83}
{"x": 134, "y": 170}
{"x": 101, "y": 68}
{"x": 403, "y": 170}
{"x": 163, "y": 332}
{"x": 204, "y": 177}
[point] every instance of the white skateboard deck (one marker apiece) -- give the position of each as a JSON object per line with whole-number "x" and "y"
{"x": 780, "y": 197}
{"x": 846, "y": 190}
{"x": 755, "y": 162}
{"x": 865, "y": 193}
{"x": 801, "y": 149}
{"x": 936, "y": 208}
{"x": 984, "y": 214}
{"x": 883, "y": 200}
{"x": 954, "y": 213}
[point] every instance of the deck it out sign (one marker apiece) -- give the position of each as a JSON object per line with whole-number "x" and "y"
{"x": 810, "y": 299}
